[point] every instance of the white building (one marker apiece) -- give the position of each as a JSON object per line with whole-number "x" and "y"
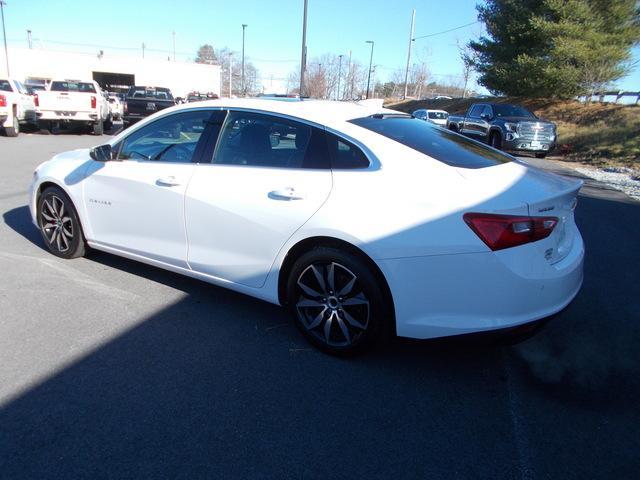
{"x": 112, "y": 72}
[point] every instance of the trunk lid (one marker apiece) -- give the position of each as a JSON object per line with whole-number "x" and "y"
{"x": 545, "y": 195}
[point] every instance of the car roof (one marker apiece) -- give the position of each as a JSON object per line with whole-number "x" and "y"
{"x": 323, "y": 112}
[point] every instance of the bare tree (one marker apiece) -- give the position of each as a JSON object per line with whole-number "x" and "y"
{"x": 250, "y": 71}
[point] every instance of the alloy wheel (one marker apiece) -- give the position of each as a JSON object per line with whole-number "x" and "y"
{"x": 56, "y": 223}
{"x": 331, "y": 305}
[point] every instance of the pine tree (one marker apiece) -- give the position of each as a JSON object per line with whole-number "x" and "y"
{"x": 554, "y": 48}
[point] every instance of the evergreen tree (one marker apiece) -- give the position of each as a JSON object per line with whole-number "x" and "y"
{"x": 554, "y": 48}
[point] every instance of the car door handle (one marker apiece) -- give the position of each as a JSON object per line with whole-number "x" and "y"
{"x": 285, "y": 194}
{"x": 167, "y": 182}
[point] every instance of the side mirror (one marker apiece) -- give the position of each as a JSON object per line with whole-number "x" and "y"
{"x": 101, "y": 153}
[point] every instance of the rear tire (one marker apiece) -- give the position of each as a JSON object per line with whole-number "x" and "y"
{"x": 336, "y": 301}
{"x": 59, "y": 224}
{"x": 15, "y": 129}
{"x": 98, "y": 128}
{"x": 108, "y": 124}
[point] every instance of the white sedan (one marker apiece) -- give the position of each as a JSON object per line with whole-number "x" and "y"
{"x": 362, "y": 221}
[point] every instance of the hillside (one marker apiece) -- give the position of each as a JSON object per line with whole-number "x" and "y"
{"x": 596, "y": 133}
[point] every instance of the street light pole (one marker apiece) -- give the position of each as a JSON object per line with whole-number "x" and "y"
{"x": 339, "y": 74}
{"x": 244, "y": 26}
{"x": 4, "y": 34}
{"x": 406, "y": 72}
{"x": 174, "y": 45}
{"x": 370, "y": 63}
{"x": 230, "y": 67}
{"x": 303, "y": 60}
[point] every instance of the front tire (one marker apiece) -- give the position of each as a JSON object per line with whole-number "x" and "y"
{"x": 336, "y": 301}
{"x": 59, "y": 224}
{"x": 541, "y": 155}
{"x": 495, "y": 140}
{"x": 107, "y": 124}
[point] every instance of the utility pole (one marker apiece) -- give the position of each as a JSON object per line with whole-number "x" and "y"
{"x": 406, "y": 72}
{"x": 230, "y": 67}
{"x": 373, "y": 90}
{"x": 339, "y": 74}
{"x": 370, "y": 63}
{"x": 4, "y": 34}
{"x": 244, "y": 26}
{"x": 174, "y": 45}
{"x": 303, "y": 60}
{"x": 29, "y": 39}
{"x": 349, "y": 87}
{"x": 143, "y": 47}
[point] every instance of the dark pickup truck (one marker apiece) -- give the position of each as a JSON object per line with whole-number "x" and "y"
{"x": 140, "y": 102}
{"x": 506, "y": 127}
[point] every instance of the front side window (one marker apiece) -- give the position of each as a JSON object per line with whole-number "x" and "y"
{"x": 487, "y": 112}
{"x": 171, "y": 139}
{"x": 255, "y": 139}
{"x": 438, "y": 143}
{"x": 476, "y": 110}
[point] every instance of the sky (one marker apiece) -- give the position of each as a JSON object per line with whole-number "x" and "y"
{"x": 273, "y": 32}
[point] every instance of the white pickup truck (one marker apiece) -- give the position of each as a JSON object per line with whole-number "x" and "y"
{"x": 16, "y": 107}
{"x": 73, "y": 102}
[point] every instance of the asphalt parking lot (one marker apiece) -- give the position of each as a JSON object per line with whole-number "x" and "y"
{"x": 110, "y": 368}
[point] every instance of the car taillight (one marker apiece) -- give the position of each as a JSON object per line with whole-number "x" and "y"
{"x": 36, "y": 100}
{"x": 125, "y": 108}
{"x": 3, "y": 101}
{"x": 93, "y": 102}
{"x": 505, "y": 231}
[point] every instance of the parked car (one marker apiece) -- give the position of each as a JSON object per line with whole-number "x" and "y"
{"x": 17, "y": 107}
{"x": 439, "y": 117}
{"x": 115, "y": 105}
{"x": 362, "y": 221}
{"x": 142, "y": 101}
{"x": 199, "y": 96}
{"x": 506, "y": 127}
{"x": 73, "y": 102}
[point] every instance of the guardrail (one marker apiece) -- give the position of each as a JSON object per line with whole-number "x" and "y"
{"x": 620, "y": 97}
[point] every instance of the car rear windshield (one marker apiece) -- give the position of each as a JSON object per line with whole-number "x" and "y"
{"x": 152, "y": 93}
{"x": 443, "y": 145}
{"x": 83, "y": 87}
{"x": 511, "y": 111}
{"x": 5, "y": 86}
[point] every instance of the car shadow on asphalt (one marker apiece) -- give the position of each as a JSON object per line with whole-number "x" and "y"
{"x": 222, "y": 385}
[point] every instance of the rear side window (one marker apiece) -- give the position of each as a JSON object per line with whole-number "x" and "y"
{"x": 83, "y": 87}
{"x": 345, "y": 155}
{"x": 443, "y": 145}
{"x": 255, "y": 139}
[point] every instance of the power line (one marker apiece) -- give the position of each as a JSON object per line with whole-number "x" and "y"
{"x": 446, "y": 31}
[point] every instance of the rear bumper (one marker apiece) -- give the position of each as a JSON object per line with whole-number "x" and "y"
{"x": 131, "y": 119}
{"x": 446, "y": 295}
{"x": 67, "y": 117}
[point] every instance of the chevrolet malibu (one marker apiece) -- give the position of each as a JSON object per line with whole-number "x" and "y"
{"x": 362, "y": 221}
